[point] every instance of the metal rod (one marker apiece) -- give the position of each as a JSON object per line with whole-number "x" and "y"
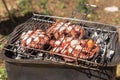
{"x": 75, "y": 19}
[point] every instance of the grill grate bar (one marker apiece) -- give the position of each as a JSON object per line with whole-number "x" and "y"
{"x": 47, "y": 21}
{"x": 74, "y": 19}
{"x": 100, "y": 30}
{"x": 69, "y": 64}
{"x": 41, "y": 24}
{"x": 19, "y": 31}
{"x": 47, "y": 52}
{"x": 35, "y": 23}
{"x": 29, "y": 24}
{"x": 65, "y": 63}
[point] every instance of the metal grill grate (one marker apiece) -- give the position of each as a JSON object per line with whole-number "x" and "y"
{"x": 104, "y": 36}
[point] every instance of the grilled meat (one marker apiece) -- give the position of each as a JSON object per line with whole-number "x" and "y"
{"x": 61, "y": 29}
{"x": 84, "y": 49}
{"x": 34, "y": 39}
{"x": 67, "y": 41}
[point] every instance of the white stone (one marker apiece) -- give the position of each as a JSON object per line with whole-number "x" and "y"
{"x": 111, "y": 9}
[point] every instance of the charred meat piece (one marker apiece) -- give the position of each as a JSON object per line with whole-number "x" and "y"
{"x": 34, "y": 39}
{"x": 84, "y": 49}
{"x": 61, "y": 29}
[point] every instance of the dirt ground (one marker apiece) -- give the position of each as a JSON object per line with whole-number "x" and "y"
{"x": 65, "y": 8}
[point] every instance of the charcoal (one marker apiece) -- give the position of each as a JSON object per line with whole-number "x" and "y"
{"x": 17, "y": 43}
{"x": 110, "y": 54}
{"x": 38, "y": 58}
{"x": 28, "y": 50}
{"x": 47, "y": 56}
{"x": 40, "y": 54}
{"x": 15, "y": 50}
{"x": 102, "y": 39}
{"x": 20, "y": 50}
{"x": 98, "y": 60}
{"x": 54, "y": 59}
{"x": 50, "y": 58}
{"x": 106, "y": 36}
{"x": 31, "y": 57}
{"x": 13, "y": 56}
{"x": 18, "y": 56}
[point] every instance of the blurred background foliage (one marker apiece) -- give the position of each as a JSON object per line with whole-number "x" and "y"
{"x": 24, "y": 6}
{"x": 63, "y": 8}
{"x": 3, "y": 74}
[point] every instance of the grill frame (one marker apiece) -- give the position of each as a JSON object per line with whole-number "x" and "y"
{"x": 23, "y": 71}
{"x": 3, "y": 56}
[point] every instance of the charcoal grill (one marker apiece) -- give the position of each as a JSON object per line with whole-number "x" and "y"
{"x": 47, "y": 69}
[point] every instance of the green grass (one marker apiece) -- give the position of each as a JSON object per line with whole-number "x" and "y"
{"x": 61, "y": 5}
{"x": 92, "y": 16}
{"x": 2, "y": 41}
{"x": 43, "y": 5}
{"x": 1, "y": 45}
{"x": 24, "y": 5}
{"x": 118, "y": 20}
{"x": 3, "y": 74}
{"x": 81, "y": 7}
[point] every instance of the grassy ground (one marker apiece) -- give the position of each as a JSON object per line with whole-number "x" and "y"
{"x": 63, "y": 8}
